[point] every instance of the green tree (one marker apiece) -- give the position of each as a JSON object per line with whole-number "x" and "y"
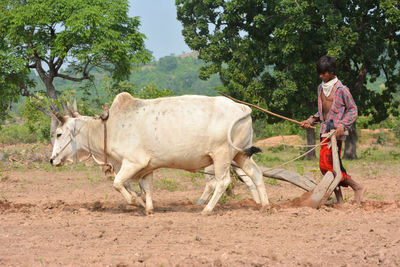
{"x": 168, "y": 63}
{"x": 47, "y": 35}
{"x": 265, "y": 51}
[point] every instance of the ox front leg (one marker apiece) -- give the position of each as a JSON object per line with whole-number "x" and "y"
{"x": 147, "y": 186}
{"x": 127, "y": 171}
{"x": 223, "y": 179}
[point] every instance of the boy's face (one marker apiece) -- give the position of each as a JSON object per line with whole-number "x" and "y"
{"x": 326, "y": 76}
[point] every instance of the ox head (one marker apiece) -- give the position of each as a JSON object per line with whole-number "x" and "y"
{"x": 65, "y": 147}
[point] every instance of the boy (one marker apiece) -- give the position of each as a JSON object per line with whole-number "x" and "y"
{"x": 336, "y": 108}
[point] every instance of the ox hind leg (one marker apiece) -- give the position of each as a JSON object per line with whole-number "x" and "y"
{"x": 249, "y": 182}
{"x": 248, "y": 165}
{"x": 222, "y": 163}
{"x": 211, "y": 183}
{"x": 127, "y": 171}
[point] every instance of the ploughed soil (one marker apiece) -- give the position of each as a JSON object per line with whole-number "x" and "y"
{"x": 73, "y": 216}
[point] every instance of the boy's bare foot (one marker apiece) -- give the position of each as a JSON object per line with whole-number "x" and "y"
{"x": 359, "y": 194}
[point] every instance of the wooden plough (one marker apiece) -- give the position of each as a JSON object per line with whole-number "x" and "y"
{"x": 321, "y": 191}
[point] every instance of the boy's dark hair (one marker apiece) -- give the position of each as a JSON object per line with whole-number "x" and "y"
{"x": 326, "y": 64}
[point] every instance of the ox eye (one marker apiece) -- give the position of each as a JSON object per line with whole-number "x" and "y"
{"x": 58, "y": 135}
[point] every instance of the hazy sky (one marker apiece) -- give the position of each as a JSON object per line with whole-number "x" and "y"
{"x": 159, "y": 24}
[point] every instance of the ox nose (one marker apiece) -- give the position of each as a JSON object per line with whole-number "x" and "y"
{"x": 51, "y": 161}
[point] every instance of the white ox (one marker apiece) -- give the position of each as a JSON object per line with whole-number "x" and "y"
{"x": 185, "y": 132}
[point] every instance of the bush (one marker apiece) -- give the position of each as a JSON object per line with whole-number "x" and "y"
{"x": 396, "y": 127}
{"x": 36, "y": 121}
{"x": 264, "y": 130}
{"x": 14, "y": 134}
{"x": 363, "y": 122}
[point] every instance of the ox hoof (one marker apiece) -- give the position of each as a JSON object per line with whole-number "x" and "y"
{"x": 266, "y": 208}
{"x": 206, "y": 212}
{"x": 139, "y": 202}
{"x": 149, "y": 212}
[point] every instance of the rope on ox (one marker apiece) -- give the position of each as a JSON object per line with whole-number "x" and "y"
{"x": 106, "y": 167}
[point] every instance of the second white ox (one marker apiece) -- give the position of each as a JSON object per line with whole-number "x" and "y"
{"x": 185, "y": 132}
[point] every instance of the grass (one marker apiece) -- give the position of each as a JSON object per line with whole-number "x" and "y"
{"x": 373, "y": 196}
{"x": 380, "y": 154}
{"x": 195, "y": 177}
{"x": 94, "y": 180}
{"x": 4, "y": 176}
{"x": 272, "y": 181}
{"x": 229, "y": 194}
{"x": 167, "y": 184}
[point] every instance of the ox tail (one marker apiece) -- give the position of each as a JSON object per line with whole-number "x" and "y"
{"x": 247, "y": 151}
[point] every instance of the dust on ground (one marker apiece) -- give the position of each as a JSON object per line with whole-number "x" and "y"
{"x": 73, "y": 216}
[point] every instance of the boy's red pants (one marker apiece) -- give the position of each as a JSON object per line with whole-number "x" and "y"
{"x": 325, "y": 159}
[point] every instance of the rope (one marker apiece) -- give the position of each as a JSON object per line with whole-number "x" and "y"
{"x": 309, "y": 151}
{"x": 284, "y": 144}
{"x": 266, "y": 111}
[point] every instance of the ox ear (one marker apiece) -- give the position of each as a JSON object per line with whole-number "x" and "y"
{"x": 57, "y": 114}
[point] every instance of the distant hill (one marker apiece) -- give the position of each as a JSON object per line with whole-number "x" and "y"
{"x": 194, "y": 54}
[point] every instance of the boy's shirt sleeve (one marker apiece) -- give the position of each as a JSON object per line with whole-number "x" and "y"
{"x": 350, "y": 109}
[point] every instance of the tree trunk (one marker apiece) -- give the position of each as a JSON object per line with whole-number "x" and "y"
{"x": 51, "y": 92}
{"x": 310, "y": 142}
{"x": 350, "y": 144}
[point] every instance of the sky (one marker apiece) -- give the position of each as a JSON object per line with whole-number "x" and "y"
{"x": 159, "y": 24}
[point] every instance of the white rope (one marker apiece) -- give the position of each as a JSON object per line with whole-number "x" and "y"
{"x": 284, "y": 144}
{"x": 328, "y": 136}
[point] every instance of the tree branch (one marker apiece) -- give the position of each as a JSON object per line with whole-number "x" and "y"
{"x": 32, "y": 66}
{"x": 59, "y": 63}
{"x": 386, "y": 75}
{"x": 24, "y": 92}
{"x": 40, "y": 70}
{"x": 67, "y": 77}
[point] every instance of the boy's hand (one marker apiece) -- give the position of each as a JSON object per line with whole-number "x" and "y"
{"x": 339, "y": 132}
{"x": 305, "y": 124}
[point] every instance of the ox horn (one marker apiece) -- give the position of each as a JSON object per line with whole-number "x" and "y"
{"x": 67, "y": 108}
{"x": 75, "y": 112}
{"x": 57, "y": 114}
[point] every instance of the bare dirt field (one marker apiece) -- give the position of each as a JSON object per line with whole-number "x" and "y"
{"x": 74, "y": 217}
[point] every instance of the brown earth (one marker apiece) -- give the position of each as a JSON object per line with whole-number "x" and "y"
{"x": 74, "y": 217}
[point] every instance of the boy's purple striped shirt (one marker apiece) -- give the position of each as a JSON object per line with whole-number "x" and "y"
{"x": 343, "y": 111}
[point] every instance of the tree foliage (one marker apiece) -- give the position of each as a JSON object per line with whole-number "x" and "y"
{"x": 265, "y": 51}
{"x": 168, "y": 63}
{"x": 47, "y": 35}
{"x": 183, "y": 78}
